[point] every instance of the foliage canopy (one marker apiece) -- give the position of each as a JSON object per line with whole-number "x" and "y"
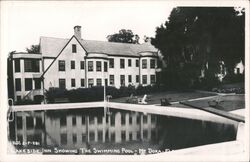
{"x": 124, "y": 36}
{"x": 33, "y": 49}
{"x": 201, "y": 38}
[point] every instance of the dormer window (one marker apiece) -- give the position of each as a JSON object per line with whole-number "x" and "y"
{"x": 73, "y": 48}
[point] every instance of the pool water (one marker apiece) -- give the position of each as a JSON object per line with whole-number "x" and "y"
{"x": 91, "y": 131}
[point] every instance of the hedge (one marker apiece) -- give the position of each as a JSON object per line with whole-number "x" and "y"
{"x": 96, "y": 93}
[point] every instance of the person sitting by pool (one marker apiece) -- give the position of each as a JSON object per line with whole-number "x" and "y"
{"x": 143, "y": 100}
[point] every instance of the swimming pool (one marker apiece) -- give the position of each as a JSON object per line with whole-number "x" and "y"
{"x": 117, "y": 132}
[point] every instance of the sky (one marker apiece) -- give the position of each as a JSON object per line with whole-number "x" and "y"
{"x": 25, "y": 22}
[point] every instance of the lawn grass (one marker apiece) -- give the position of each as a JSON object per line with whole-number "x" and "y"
{"x": 229, "y": 103}
{"x": 233, "y": 85}
{"x": 155, "y": 98}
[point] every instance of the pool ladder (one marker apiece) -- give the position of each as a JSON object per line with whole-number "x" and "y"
{"x": 10, "y": 115}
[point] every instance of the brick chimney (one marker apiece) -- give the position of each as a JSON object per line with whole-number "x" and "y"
{"x": 77, "y": 32}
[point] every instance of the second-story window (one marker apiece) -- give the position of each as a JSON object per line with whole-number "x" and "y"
{"x": 111, "y": 63}
{"x": 61, "y": 65}
{"x": 72, "y": 64}
{"x": 31, "y": 65}
{"x": 129, "y": 62}
{"x": 144, "y": 64}
{"x": 73, "y": 48}
{"x": 105, "y": 66}
{"x": 122, "y": 63}
{"x": 152, "y": 63}
{"x": 136, "y": 63}
{"x": 17, "y": 65}
{"x": 82, "y": 64}
{"x": 90, "y": 65}
{"x": 98, "y": 66}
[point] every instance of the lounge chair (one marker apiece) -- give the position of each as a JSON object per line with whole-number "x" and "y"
{"x": 165, "y": 102}
{"x": 142, "y": 100}
{"x": 132, "y": 99}
{"x": 215, "y": 103}
{"x": 128, "y": 100}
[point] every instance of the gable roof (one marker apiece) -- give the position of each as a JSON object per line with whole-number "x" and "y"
{"x": 50, "y": 47}
{"x": 58, "y": 54}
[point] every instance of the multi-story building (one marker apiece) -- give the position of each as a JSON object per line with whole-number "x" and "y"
{"x": 27, "y": 71}
{"x": 79, "y": 63}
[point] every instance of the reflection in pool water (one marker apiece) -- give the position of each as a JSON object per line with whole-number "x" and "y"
{"x": 88, "y": 131}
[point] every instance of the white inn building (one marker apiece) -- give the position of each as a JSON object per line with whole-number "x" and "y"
{"x": 79, "y": 63}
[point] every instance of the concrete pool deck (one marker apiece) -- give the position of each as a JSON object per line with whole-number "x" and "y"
{"x": 238, "y": 112}
{"x": 217, "y": 112}
{"x": 161, "y": 110}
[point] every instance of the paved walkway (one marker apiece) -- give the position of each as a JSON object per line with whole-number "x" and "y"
{"x": 190, "y": 113}
{"x": 196, "y": 99}
{"x": 240, "y": 112}
{"x": 235, "y": 117}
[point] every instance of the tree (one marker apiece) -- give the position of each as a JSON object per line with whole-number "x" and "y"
{"x": 33, "y": 49}
{"x": 124, "y": 36}
{"x": 10, "y": 75}
{"x": 146, "y": 39}
{"x": 201, "y": 37}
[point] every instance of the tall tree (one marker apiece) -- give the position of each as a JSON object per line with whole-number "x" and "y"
{"x": 201, "y": 37}
{"x": 124, "y": 36}
{"x": 33, "y": 49}
{"x": 10, "y": 75}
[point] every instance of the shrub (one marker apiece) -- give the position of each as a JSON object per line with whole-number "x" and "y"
{"x": 234, "y": 78}
{"x": 54, "y": 93}
{"x": 208, "y": 83}
{"x": 26, "y": 102}
{"x": 82, "y": 94}
{"x": 126, "y": 91}
{"x": 96, "y": 93}
{"x": 229, "y": 90}
{"x": 114, "y": 92}
{"x": 140, "y": 90}
{"x": 85, "y": 94}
